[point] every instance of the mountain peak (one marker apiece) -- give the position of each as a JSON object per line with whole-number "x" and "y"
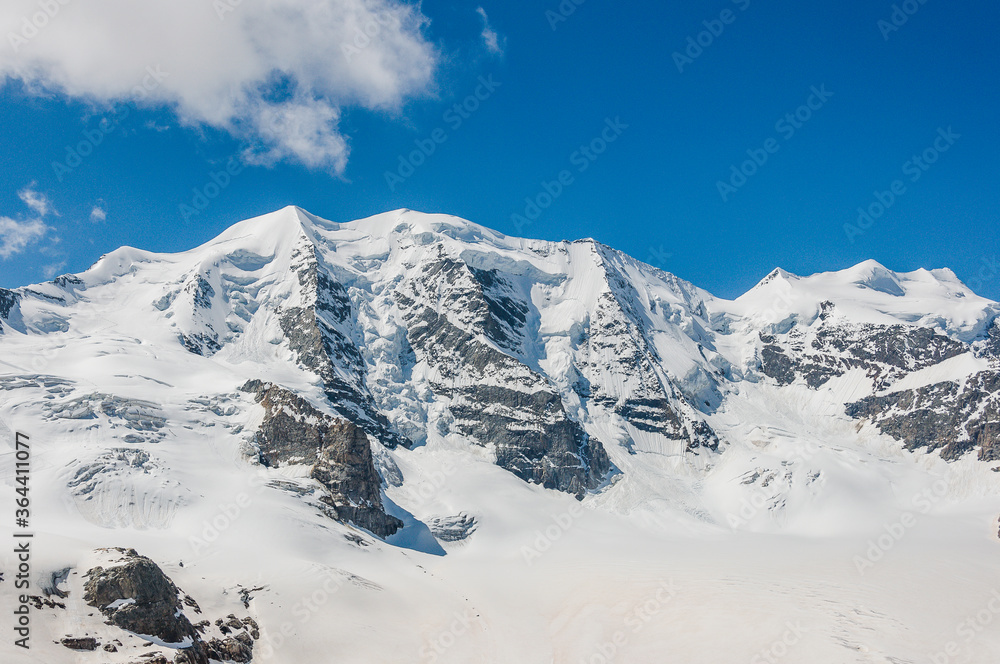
{"x": 872, "y": 274}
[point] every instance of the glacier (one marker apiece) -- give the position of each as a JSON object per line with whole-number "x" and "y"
{"x": 410, "y": 438}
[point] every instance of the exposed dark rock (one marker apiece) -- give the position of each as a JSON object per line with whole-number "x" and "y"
{"x": 944, "y": 416}
{"x": 188, "y": 600}
{"x": 84, "y": 643}
{"x": 8, "y": 300}
{"x": 884, "y": 352}
{"x": 990, "y": 346}
{"x": 137, "y": 596}
{"x": 507, "y": 315}
{"x": 523, "y": 419}
{"x": 201, "y": 292}
{"x": 293, "y": 431}
{"x": 68, "y": 281}
{"x": 246, "y": 594}
{"x": 775, "y": 363}
{"x": 229, "y": 650}
{"x": 152, "y": 658}
{"x": 44, "y": 602}
{"x": 532, "y": 436}
{"x": 251, "y": 624}
{"x": 320, "y": 336}
{"x": 616, "y": 344}
{"x": 203, "y": 339}
{"x": 205, "y": 344}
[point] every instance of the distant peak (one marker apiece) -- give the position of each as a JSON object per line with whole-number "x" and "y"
{"x": 776, "y": 274}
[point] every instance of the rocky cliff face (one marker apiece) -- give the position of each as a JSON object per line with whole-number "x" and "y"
{"x": 621, "y": 368}
{"x": 953, "y": 417}
{"x": 956, "y": 419}
{"x": 8, "y": 300}
{"x": 834, "y": 346}
{"x": 554, "y": 357}
{"x": 427, "y": 328}
{"x": 442, "y": 321}
{"x": 460, "y": 320}
{"x": 321, "y": 333}
{"x": 294, "y": 432}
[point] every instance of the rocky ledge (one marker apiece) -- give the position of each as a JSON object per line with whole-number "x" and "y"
{"x": 133, "y": 593}
{"x": 293, "y": 431}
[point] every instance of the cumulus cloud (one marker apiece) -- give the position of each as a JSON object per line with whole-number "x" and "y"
{"x": 16, "y": 235}
{"x": 490, "y": 37}
{"x": 98, "y": 214}
{"x": 39, "y": 203}
{"x": 274, "y": 72}
{"x": 301, "y": 129}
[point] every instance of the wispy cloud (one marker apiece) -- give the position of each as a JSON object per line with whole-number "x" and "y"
{"x": 491, "y": 39}
{"x": 16, "y": 235}
{"x": 38, "y": 202}
{"x": 52, "y": 270}
{"x": 98, "y": 214}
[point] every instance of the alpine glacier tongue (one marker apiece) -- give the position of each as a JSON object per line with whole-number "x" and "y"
{"x": 422, "y": 416}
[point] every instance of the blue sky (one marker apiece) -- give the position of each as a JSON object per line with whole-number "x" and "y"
{"x": 880, "y": 95}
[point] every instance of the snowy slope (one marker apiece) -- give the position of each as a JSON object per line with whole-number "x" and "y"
{"x": 591, "y": 458}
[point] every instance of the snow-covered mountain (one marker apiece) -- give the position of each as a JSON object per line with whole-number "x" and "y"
{"x": 410, "y": 438}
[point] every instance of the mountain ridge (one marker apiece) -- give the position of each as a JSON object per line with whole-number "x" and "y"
{"x": 403, "y": 402}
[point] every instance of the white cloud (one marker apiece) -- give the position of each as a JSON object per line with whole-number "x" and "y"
{"x": 98, "y": 214}
{"x": 490, "y": 38}
{"x": 38, "y": 202}
{"x": 16, "y": 235}
{"x": 52, "y": 270}
{"x": 304, "y": 130}
{"x": 218, "y": 68}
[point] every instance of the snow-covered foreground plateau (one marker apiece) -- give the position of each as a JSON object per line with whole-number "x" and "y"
{"x": 412, "y": 439}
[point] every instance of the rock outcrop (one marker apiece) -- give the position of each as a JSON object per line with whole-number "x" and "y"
{"x": 832, "y": 347}
{"x": 8, "y": 300}
{"x": 955, "y": 419}
{"x": 135, "y": 595}
{"x": 293, "y": 431}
